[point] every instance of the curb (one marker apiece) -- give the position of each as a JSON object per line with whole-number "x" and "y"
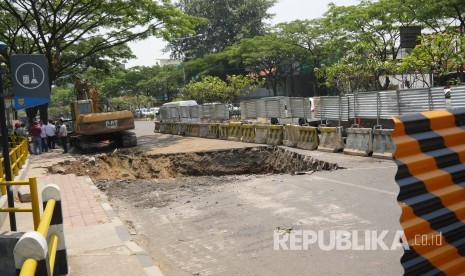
{"x": 22, "y": 195}
{"x": 146, "y": 262}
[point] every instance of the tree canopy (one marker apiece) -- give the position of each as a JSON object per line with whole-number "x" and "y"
{"x": 80, "y": 34}
{"x": 227, "y": 22}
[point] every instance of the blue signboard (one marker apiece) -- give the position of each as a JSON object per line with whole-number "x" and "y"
{"x": 29, "y": 74}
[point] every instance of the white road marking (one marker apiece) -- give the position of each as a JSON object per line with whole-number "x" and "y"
{"x": 352, "y": 185}
{"x": 370, "y": 168}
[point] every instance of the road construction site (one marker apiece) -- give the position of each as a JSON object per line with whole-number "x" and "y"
{"x": 210, "y": 207}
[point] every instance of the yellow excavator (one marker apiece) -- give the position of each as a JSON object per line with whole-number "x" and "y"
{"x": 91, "y": 125}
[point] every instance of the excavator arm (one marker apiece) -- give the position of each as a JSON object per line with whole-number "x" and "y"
{"x": 85, "y": 90}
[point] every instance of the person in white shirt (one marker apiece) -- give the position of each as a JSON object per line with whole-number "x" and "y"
{"x": 63, "y": 134}
{"x": 50, "y": 131}
{"x": 43, "y": 136}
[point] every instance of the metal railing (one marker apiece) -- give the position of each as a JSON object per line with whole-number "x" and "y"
{"x": 32, "y": 183}
{"x": 30, "y": 265}
{"x": 50, "y": 227}
{"x": 17, "y": 155}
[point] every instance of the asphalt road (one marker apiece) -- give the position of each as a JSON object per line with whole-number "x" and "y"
{"x": 228, "y": 228}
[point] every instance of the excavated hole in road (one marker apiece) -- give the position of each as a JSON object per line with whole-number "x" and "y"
{"x": 134, "y": 164}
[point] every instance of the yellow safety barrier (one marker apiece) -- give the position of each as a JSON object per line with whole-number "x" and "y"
{"x": 203, "y": 130}
{"x": 291, "y": 135}
{"x": 261, "y": 134}
{"x": 223, "y": 131}
{"x": 163, "y": 127}
{"x": 234, "y": 131}
{"x": 169, "y": 128}
{"x": 275, "y": 135}
{"x": 213, "y": 131}
{"x": 248, "y": 133}
{"x": 308, "y": 138}
{"x": 188, "y": 129}
{"x": 32, "y": 183}
{"x": 18, "y": 155}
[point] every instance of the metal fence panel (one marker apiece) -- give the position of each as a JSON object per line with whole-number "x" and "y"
{"x": 329, "y": 108}
{"x": 221, "y": 111}
{"x": 388, "y": 104}
{"x": 184, "y": 112}
{"x": 173, "y": 113}
{"x": 272, "y": 108}
{"x": 414, "y": 100}
{"x": 164, "y": 115}
{"x": 194, "y": 112}
{"x": 206, "y": 111}
{"x": 261, "y": 109}
{"x": 457, "y": 96}
{"x": 438, "y": 98}
{"x": 363, "y": 105}
{"x": 299, "y": 108}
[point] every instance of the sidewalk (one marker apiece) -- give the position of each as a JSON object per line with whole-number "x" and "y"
{"x": 96, "y": 239}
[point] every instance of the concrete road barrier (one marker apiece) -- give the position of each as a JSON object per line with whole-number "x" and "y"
{"x": 179, "y": 128}
{"x": 275, "y": 135}
{"x": 213, "y": 131}
{"x": 223, "y": 131}
{"x": 261, "y": 134}
{"x": 247, "y": 133}
{"x": 308, "y": 138}
{"x": 234, "y": 132}
{"x": 291, "y": 135}
{"x": 359, "y": 141}
{"x": 169, "y": 128}
{"x": 331, "y": 139}
{"x": 157, "y": 127}
{"x": 193, "y": 130}
{"x": 383, "y": 146}
{"x": 163, "y": 127}
{"x": 203, "y": 130}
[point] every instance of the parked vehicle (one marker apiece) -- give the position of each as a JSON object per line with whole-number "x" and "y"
{"x": 154, "y": 111}
{"x": 145, "y": 112}
{"x": 234, "y": 110}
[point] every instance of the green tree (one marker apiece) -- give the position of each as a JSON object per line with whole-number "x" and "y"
{"x": 436, "y": 15}
{"x": 373, "y": 27}
{"x": 157, "y": 82}
{"x": 440, "y": 54}
{"x": 227, "y": 22}
{"x": 269, "y": 56}
{"x": 79, "y": 34}
{"x": 212, "y": 89}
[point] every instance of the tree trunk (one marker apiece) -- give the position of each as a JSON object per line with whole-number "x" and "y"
{"x": 31, "y": 113}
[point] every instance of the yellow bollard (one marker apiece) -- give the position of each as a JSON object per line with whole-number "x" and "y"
{"x": 34, "y": 201}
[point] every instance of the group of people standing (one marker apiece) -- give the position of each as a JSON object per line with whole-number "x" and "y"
{"x": 46, "y": 135}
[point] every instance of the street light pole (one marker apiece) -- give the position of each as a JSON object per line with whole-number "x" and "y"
{"x": 5, "y": 148}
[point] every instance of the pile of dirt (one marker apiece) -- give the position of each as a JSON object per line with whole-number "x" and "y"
{"x": 134, "y": 164}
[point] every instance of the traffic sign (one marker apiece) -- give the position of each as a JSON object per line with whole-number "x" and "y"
{"x": 29, "y": 74}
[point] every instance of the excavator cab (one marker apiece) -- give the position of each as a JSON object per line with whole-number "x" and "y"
{"x": 80, "y": 107}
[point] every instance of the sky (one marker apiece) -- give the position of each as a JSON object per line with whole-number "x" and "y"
{"x": 149, "y": 50}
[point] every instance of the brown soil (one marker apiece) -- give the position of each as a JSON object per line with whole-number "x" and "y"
{"x": 133, "y": 164}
